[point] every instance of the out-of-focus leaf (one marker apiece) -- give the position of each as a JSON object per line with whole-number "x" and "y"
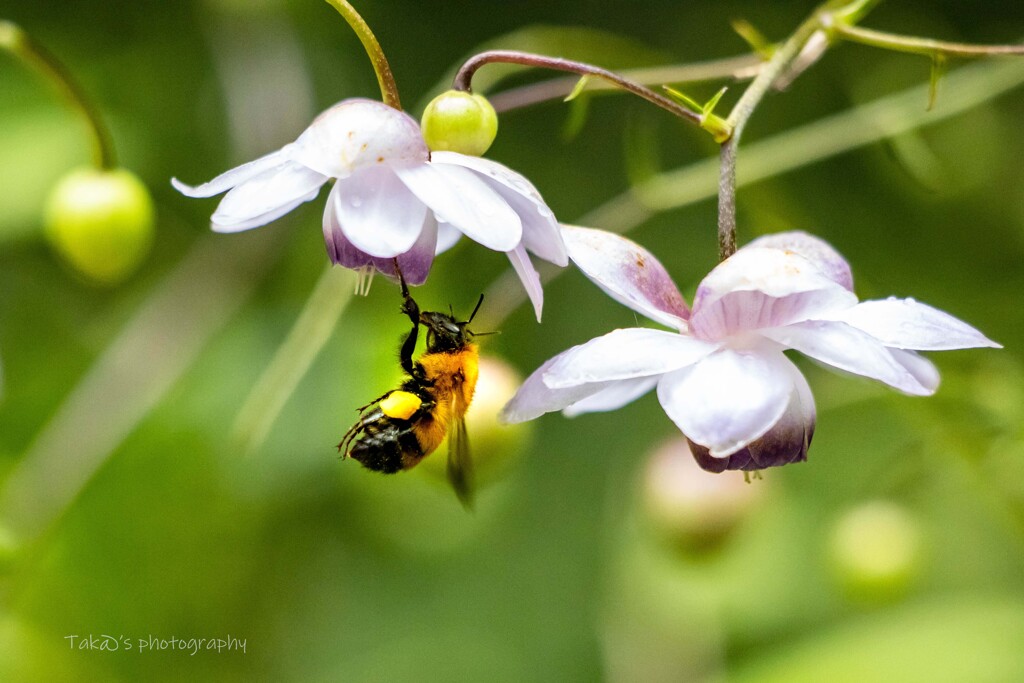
{"x": 969, "y": 638}
{"x": 37, "y": 146}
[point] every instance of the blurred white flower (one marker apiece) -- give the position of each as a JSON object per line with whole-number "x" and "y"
{"x": 392, "y": 197}
{"x": 722, "y": 376}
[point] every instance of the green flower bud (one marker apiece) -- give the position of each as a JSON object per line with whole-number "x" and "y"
{"x": 457, "y": 121}
{"x": 694, "y": 509}
{"x": 101, "y": 222}
{"x": 875, "y": 551}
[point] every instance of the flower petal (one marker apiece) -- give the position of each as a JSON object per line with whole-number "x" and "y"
{"x": 787, "y": 441}
{"x": 625, "y": 354}
{"x": 613, "y": 396}
{"x": 531, "y": 280}
{"x": 907, "y": 324}
{"x": 534, "y": 397}
{"x": 923, "y": 370}
{"x": 447, "y": 237}
{"x": 265, "y": 197}
{"x": 225, "y": 181}
{"x": 728, "y": 399}
{"x": 628, "y": 273}
{"x": 847, "y": 348}
{"x": 457, "y": 196}
{"x": 756, "y": 288}
{"x": 415, "y": 263}
{"x": 541, "y": 232}
{"x": 358, "y": 133}
{"x": 819, "y": 252}
{"x": 377, "y": 212}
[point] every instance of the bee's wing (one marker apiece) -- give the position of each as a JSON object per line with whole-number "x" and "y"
{"x": 460, "y": 464}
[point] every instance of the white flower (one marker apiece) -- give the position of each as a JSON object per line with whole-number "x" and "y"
{"x": 722, "y": 376}
{"x": 392, "y": 198}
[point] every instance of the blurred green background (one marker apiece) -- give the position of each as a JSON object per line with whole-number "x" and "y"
{"x": 133, "y": 512}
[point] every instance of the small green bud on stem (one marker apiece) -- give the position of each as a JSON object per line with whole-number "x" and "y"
{"x": 101, "y": 222}
{"x": 458, "y": 121}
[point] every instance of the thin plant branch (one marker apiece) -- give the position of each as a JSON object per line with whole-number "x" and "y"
{"x": 740, "y": 68}
{"x": 385, "y": 79}
{"x": 14, "y": 40}
{"x": 464, "y": 77}
{"x": 921, "y": 46}
{"x": 312, "y": 330}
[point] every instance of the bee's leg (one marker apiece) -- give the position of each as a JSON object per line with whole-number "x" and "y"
{"x": 412, "y": 310}
{"x": 358, "y": 428}
{"x": 375, "y": 401}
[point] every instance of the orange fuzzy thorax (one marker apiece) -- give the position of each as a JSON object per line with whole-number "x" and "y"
{"x": 453, "y": 377}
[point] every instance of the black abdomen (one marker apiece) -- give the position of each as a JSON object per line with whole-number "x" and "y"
{"x": 383, "y": 445}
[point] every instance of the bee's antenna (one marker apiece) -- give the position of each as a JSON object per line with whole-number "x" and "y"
{"x": 472, "y": 315}
{"x": 485, "y": 334}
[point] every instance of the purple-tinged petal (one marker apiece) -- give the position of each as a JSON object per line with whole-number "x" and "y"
{"x": 378, "y": 214}
{"x": 266, "y": 197}
{"x": 236, "y": 176}
{"x": 923, "y": 370}
{"x": 786, "y": 442}
{"x": 625, "y": 354}
{"x": 907, "y": 324}
{"x": 531, "y": 280}
{"x": 534, "y": 397}
{"x": 459, "y": 197}
{"x": 358, "y": 133}
{"x": 819, "y": 252}
{"x": 847, "y": 348}
{"x": 613, "y": 396}
{"x": 628, "y": 273}
{"x": 415, "y": 263}
{"x": 758, "y": 288}
{"x": 541, "y": 232}
{"x": 728, "y": 399}
{"x": 447, "y": 237}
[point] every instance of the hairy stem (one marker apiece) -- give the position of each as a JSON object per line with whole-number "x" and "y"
{"x": 385, "y": 79}
{"x": 18, "y": 43}
{"x": 465, "y": 75}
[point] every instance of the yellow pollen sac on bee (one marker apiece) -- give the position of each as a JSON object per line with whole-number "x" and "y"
{"x": 400, "y": 405}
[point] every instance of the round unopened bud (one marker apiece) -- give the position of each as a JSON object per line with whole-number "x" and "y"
{"x": 493, "y": 444}
{"x": 875, "y": 551}
{"x": 100, "y": 222}
{"x": 457, "y": 121}
{"x": 694, "y": 508}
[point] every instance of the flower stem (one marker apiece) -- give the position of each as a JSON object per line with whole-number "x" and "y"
{"x": 774, "y": 71}
{"x": 465, "y": 76}
{"x": 385, "y": 79}
{"x": 921, "y": 46}
{"x": 14, "y": 40}
{"x": 742, "y": 67}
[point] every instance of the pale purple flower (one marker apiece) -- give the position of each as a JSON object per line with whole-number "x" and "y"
{"x": 392, "y": 196}
{"x": 721, "y": 374}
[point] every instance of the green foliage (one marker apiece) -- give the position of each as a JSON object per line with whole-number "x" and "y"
{"x": 122, "y": 401}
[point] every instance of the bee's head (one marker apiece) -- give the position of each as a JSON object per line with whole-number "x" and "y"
{"x": 444, "y": 332}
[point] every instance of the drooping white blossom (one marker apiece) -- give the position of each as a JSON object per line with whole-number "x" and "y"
{"x": 392, "y": 198}
{"x": 721, "y": 374}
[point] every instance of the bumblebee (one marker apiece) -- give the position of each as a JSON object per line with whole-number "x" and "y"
{"x": 396, "y": 431}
